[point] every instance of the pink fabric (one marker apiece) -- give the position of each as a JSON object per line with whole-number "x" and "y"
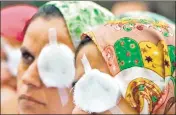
{"x": 107, "y": 35}
{"x": 14, "y": 19}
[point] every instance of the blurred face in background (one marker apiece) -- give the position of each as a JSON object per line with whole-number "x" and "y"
{"x": 8, "y": 80}
{"x": 8, "y": 43}
{"x": 34, "y": 96}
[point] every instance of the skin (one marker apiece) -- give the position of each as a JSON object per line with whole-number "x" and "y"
{"x": 96, "y": 61}
{"x": 3, "y": 55}
{"x": 12, "y": 42}
{"x": 9, "y": 102}
{"x": 5, "y": 73}
{"x": 29, "y": 82}
{"x": 165, "y": 104}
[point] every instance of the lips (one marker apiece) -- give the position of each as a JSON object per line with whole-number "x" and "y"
{"x": 21, "y": 97}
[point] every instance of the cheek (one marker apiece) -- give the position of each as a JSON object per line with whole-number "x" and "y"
{"x": 102, "y": 66}
{"x": 172, "y": 110}
{"x": 79, "y": 70}
{"x": 3, "y": 55}
{"x": 52, "y": 92}
{"x": 22, "y": 68}
{"x": 9, "y": 101}
{"x": 54, "y": 103}
{"x": 5, "y": 74}
{"x": 76, "y": 110}
{"x": 105, "y": 69}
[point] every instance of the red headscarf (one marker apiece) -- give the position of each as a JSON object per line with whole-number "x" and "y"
{"x": 14, "y": 19}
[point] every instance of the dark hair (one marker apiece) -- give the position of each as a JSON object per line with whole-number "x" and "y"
{"x": 47, "y": 12}
{"x": 83, "y": 42}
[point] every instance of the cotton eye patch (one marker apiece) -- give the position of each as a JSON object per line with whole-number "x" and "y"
{"x": 56, "y": 64}
{"x": 95, "y": 91}
{"x": 13, "y": 55}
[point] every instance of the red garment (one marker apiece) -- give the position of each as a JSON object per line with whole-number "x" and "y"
{"x": 14, "y": 19}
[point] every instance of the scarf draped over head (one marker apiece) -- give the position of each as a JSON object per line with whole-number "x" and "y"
{"x": 147, "y": 14}
{"x": 81, "y": 16}
{"x": 143, "y": 67}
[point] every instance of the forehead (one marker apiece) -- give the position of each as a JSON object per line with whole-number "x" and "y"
{"x": 94, "y": 57}
{"x": 91, "y": 52}
{"x": 36, "y": 36}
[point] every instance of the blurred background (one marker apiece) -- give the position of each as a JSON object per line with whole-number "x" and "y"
{"x": 165, "y": 8}
{"x": 13, "y": 22}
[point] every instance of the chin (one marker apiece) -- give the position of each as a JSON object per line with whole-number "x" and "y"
{"x": 31, "y": 111}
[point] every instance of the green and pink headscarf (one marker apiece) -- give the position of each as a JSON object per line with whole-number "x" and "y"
{"x": 140, "y": 54}
{"x": 81, "y": 16}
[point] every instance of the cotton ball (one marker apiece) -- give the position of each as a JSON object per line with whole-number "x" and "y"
{"x": 56, "y": 65}
{"x": 96, "y": 92}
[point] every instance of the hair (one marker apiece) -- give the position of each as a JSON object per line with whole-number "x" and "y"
{"x": 47, "y": 12}
{"x": 83, "y": 42}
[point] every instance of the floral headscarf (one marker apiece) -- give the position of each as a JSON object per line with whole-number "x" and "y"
{"x": 143, "y": 69}
{"x": 147, "y": 14}
{"x": 81, "y": 16}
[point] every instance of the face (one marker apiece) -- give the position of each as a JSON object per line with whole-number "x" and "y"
{"x": 8, "y": 92}
{"x": 168, "y": 107}
{"x": 3, "y": 55}
{"x": 9, "y": 103}
{"x": 6, "y": 75}
{"x": 34, "y": 96}
{"x": 8, "y": 88}
{"x": 96, "y": 61}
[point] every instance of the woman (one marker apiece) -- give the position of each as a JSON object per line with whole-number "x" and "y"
{"x": 138, "y": 54}
{"x": 8, "y": 88}
{"x": 42, "y": 91}
{"x": 13, "y": 19}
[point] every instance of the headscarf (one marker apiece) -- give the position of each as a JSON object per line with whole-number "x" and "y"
{"x": 14, "y": 18}
{"x": 141, "y": 68}
{"x": 147, "y": 14}
{"x": 81, "y": 16}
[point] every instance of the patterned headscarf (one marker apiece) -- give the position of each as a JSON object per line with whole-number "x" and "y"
{"x": 147, "y": 14}
{"x": 81, "y": 16}
{"x": 143, "y": 69}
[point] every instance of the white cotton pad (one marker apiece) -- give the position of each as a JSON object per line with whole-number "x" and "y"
{"x": 13, "y": 55}
{"x": 96, "y": 92}
{"x": 124, "y": 77}
{"x": 56, "y": 65}
{"x": 14, "y": 60}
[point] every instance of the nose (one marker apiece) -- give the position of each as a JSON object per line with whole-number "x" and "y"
{"x": 76, "y": 110}
{"x": 31, "y": 76}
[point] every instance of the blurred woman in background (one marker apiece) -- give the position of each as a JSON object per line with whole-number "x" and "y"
{"x": 13, "y": 19}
